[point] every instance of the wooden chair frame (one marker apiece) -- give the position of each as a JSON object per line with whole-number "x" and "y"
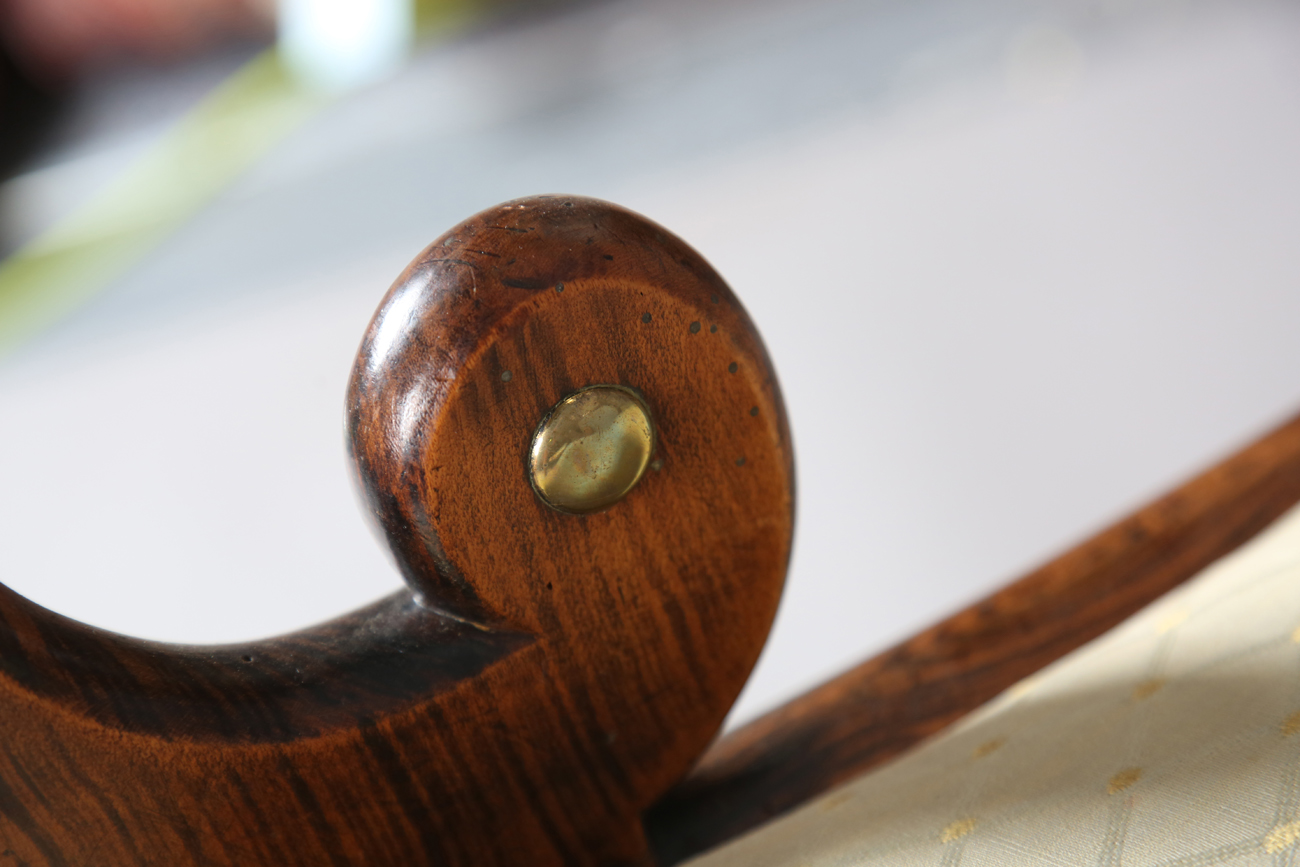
{"x": 543, "y": 692}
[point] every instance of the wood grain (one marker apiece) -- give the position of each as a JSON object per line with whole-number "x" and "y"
{"x": 548, "y": 677}
{"x": 888, "y": 704}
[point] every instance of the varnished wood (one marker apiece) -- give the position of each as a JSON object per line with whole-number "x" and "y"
{"x": 889, "y": 703}
{"x": 549, "y": 676}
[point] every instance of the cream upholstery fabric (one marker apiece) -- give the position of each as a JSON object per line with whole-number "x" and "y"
{"x": 1174, "y": 739}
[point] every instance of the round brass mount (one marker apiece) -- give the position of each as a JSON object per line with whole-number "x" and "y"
{"x": 591, "y": 449}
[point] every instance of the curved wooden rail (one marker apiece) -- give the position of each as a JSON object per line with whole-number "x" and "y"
{"x": 886, "y": 705}
{"x": 549, "y": 676}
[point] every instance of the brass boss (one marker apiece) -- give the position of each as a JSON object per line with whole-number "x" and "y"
{"x": 591, "y": 449}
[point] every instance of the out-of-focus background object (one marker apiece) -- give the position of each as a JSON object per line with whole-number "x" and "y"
{"x": 46, "y": 45}
{"x": 1020, "y": 266}
{"x": 339, "y": 44}
{"x": 61, "y": 39}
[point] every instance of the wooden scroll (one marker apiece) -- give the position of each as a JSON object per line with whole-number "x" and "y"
{"x": 547, "y": 677}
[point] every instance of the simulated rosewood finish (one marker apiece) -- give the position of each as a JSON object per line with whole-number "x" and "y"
{"x": 550, "y": 676}
{"x": 889, "y": 703}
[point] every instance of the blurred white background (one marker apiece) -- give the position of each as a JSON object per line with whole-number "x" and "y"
{"x": 1021, "y": 266}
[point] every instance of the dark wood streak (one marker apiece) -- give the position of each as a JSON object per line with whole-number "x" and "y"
{"x": 546, "y": 677}
{"x": 886, "y": 705}
{"x": 375, "y": 660}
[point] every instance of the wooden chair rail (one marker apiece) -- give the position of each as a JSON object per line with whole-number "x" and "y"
{"x": 882, "y": 707}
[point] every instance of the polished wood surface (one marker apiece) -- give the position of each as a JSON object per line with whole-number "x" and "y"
{"x": 549, "y": 675}
{"x": 888, "y": 704}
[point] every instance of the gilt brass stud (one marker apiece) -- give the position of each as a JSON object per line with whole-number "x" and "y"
{"x": 591, "y": 449}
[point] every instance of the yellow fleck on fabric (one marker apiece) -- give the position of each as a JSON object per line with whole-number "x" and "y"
{"x": 1282, "y": 837}
{"x": 957, "y": 830}
{"x": 1295, "y": 636}
{"x": 835, "y": 800}
{"x": 1152, "y": 746}
{"x": 1147, "y": 688}
{"x": 1123, "y": 780}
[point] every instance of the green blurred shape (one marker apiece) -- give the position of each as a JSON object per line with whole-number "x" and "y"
{"x": 226, "y": 133}
{"x": 197, "y": 158}
{"x": 438, "y": 17}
